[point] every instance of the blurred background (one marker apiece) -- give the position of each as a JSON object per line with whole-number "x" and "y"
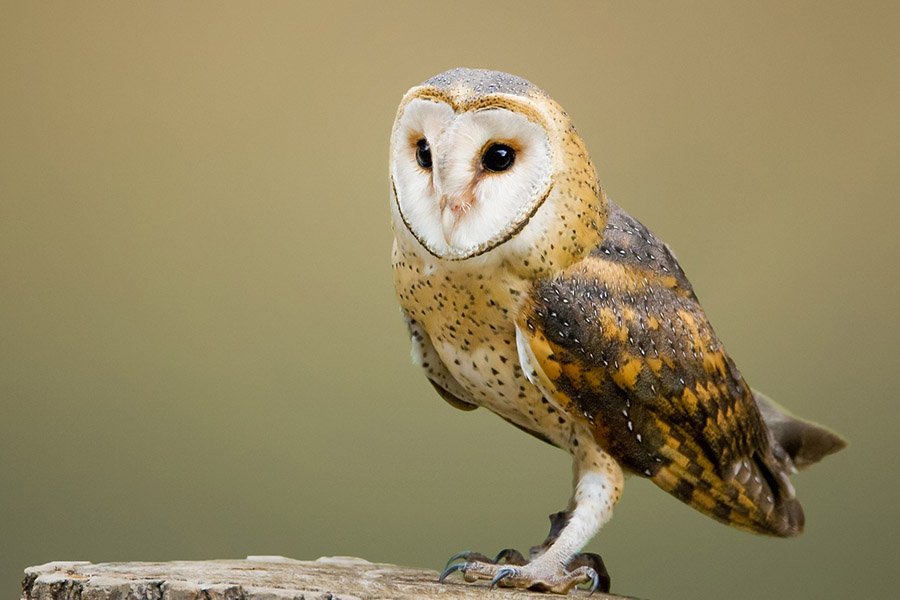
{"x": 200, "y": 351}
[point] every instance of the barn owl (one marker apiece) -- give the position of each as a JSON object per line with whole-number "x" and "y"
{"x": 528, "y": 292}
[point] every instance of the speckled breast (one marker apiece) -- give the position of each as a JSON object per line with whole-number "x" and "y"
{"x": 469, "y": 319}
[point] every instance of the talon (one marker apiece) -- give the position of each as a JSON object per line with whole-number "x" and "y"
{"x": 511, "y": 556}
{"x": 595, "y": 563}
{"x": 595, "y": 581}
{"x": 459, "y": 555}
{"x": 501, "y": 575}
{"x": 452, "y": 569}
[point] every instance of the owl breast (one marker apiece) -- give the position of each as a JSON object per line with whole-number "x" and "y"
{"x": 469, "y": 319}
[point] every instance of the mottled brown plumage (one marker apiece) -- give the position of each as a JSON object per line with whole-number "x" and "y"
{"x": 622, "y": 340}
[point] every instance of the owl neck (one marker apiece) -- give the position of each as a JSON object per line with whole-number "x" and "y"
{"x": 562, "y": 233}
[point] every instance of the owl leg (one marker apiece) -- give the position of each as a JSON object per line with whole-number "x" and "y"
{"x": 588, "y": 559}
{"x": 558, "y": 521}
{"x": 598, "y": 485}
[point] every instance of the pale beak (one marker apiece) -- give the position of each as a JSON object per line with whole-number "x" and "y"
{"x": 453, "y": 209}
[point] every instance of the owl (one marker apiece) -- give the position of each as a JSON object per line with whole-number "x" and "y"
{"x": 529, "y": 293}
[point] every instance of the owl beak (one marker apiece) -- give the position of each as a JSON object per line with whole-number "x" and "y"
{"x": 457, "y": 205}
{"x": 453, "y": 208}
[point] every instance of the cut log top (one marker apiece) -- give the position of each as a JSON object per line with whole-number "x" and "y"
{"x": 256, "y": 578}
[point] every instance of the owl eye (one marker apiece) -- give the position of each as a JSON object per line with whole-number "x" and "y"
{"x": 498, "y": 157}
{"x": 423, "y": 154}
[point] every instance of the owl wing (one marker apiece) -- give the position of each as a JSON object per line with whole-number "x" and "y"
{"x": 620, "y": 340}
{"x": 424, "y": 355}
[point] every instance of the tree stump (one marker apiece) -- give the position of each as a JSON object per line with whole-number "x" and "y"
{"x": 256, "y": 578}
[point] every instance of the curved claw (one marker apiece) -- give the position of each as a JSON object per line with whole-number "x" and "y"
{"x": 452, "y": 569}
{"x": 511, "y": 556}
{"x": 595, "y": 581}
{"x": 594, "y": 562}
{"x": 459, "y": 555}
{"x": 501, "y": 575}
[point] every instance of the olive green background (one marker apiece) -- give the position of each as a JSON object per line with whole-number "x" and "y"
{"x": 200, "y": 351}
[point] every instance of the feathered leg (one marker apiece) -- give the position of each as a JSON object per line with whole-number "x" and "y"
{"x": 598, "y": 486}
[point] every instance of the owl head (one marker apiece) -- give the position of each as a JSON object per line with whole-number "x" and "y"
{"x": 485, "y": 166}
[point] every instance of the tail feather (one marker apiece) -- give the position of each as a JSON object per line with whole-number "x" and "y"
{"x": 804, "y": 442}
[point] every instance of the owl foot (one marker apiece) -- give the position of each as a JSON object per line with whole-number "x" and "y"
{"x": 594, "y": 562}
{"x": 515, "y": 571}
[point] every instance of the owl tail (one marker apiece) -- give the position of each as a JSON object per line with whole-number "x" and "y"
{"x": 803, "y": 442}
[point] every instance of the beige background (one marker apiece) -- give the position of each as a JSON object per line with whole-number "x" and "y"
{"x": 200, "y": 351}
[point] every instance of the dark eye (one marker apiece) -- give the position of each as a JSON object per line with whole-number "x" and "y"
{"x": 498, "y": 157}
{"x": 423, "y": 154}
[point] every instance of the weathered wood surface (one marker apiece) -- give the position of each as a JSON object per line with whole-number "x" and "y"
{"x": 256, "y": 578}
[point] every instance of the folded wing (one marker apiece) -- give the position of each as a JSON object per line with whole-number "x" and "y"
{"x": 620, "y": 340}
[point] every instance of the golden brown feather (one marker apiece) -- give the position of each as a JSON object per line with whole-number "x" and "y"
{"x": 621, "y": 340}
